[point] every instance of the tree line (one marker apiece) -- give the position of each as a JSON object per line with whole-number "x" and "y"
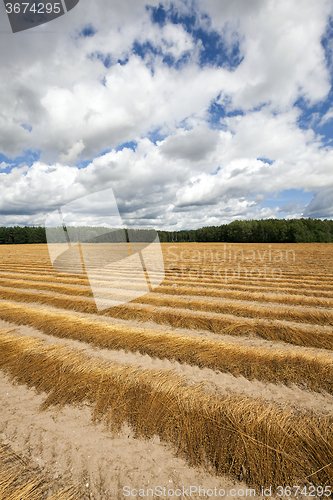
{"x": 258, "y": 231}
{"x": 238, "y": 231}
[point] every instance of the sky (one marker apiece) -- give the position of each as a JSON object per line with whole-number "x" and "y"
{"x": 195, "y": 113}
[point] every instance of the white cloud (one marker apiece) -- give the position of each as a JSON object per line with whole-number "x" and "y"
{"x": 4, "y": 165}
{"x": 193, "y": 145}
{"x": 73, "y": 154}
{"x": 167, "y": 191}
{"x": 327, "y": 116}
{"x": 56, "y": 83}
{"x": 281, "y": 44}
{"x": 321, "y": 206}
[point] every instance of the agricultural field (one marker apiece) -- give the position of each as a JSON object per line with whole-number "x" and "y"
{"x": 220, "y": 378}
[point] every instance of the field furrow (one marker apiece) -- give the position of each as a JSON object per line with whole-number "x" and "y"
{"x": 19, "y": 482}
{"x": 227, "y": 433}
{"x": 253, "y": 310}
{"x": 292, "y": 333}
{"x": 84, "y": 290}
{"x": 185, "y": 363}
{"x": 199, "y": 276}
{"x": 249, "y": 295}
{"x": 315, "y": 370}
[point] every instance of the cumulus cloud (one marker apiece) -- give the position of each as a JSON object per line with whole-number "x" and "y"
{"x": 327, "y": 116}
{"x": 4, "y": 165}
{"x": 283, "y": 55}
{"x": 193, "y": 145}
{"x": 321, "y": 206}
{"x": 76, "y": 98}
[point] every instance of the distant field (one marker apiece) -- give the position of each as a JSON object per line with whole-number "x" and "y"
{"x": 259, "y": 313}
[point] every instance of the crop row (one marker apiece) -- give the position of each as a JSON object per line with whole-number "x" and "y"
{"x": 248, "y": 295}
{"x": 189, "y": 287}
{"x": 315, "y": 370}
{"x": 217, "y": 274}
{"x": 304, "y": 296}
{"x": 80, "y": 289}
{"x": 19, "y": 482}
{"x": 272, "y": 444}
{"x": 189, "y": 274}
{"x": 226, "y": 325}
{"x": 287, "y": 312}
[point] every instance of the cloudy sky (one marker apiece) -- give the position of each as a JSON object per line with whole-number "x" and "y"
{"x": 195, "y": 112}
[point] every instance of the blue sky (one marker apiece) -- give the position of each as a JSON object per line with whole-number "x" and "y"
{"x": 194, "y": 112}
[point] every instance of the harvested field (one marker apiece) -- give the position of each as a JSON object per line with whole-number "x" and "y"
{"x": 19, "y": 482}
{"x": 220, "y": 431}
{"x": 315, "y": 369}
{"x": 260, "y": 313}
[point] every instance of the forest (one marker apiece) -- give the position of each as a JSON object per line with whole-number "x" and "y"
{"x": 238, "y": 231}
{"x": 258, "y": 231}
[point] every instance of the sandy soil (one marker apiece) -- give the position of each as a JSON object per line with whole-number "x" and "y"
{"x": 70, "y": 449}
{"x": 214, "y": 381}
{"x": 66, "y": 445}
{"x": 249, "y": 340}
